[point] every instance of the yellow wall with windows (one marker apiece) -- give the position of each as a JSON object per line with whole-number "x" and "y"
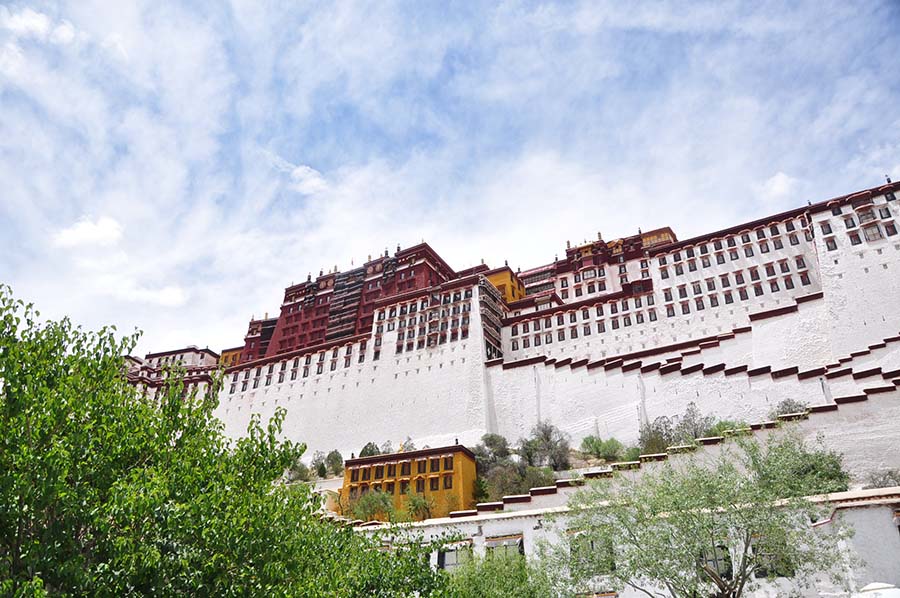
{"x": 445, "y": 476}
{"x": 509, "y": 285}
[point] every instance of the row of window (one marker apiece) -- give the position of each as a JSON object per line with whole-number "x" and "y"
{"x": 613, "y": 307}
{"x": 725, "y": 279}
{"x": 871, "y": 232}
{"x": 434, "y": 485}
{"x": 423, "y": 304}
{"x": 378, "y": 472}
{"x": 745, "y": 238}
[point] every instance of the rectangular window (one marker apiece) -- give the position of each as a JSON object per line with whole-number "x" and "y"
{"x": 435, "y": 465}
{"x": 830, "y": 244}
{"x": 855, "y": 239}
{"x": 448, "y": 482}
{"x": 434, "y": 484}
{"x": 420, "y": 485}
{"x": 873, "y": 233}
{"x": 826, "y": 228}
{"x": 421, "y": 466}
{"x": 405, "y": 468}
{"x": 713, "y": 301}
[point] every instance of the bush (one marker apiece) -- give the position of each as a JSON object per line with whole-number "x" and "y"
{"x": 499, "y": 576}
{"x": 883, "y": 479}
{"x": 298, "y": 472}
{"x": 608, "y": 450}
{"x": 788, "y": 406}
{"x": 373, "y": 505}
{"x": 632, "y": 453}
{"x": 547, "y": 445}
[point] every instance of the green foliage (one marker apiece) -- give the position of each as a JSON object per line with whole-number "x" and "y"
{"x": 374, "y": 505}
{"x": 725, "y": 425}
{"x": 418, "y": 506}
{"x": 499, "y": 576}
{"x": 664, "y": 432}
{"x": 106, "y": 491}
{"x": 632, "y": 453}
{"x": 492, "y": 450}
{"x": 608, "y": 450}
{"x": 788, "y": 406}
{"x": 318, "y": 464}
{"x": 298, "y": 472}
{"x": 547, "y": 446}
{"x": 334, "y": 462}
{"x": 370, "y": 450}
{"x": 654, "y": 530}
{"x": 883, "y": 479}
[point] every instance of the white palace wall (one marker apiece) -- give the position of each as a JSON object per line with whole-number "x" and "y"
{"x": 813, "y": 339}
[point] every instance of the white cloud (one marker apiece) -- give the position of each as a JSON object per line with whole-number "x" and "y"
{"x": 307, "y": 181}
{"x": 103, "y": 232}
{"x": 495, "y": 134}
{"x": 25, "y": 23}
{"x": 778, "y": 187}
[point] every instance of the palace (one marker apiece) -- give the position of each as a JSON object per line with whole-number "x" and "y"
{"x": 801, "y": 304}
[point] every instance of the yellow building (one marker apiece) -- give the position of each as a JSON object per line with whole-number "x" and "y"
{"x": 507, "y": 282}
{"x": 231, "y": 357}
{"x": 445, "y": 476}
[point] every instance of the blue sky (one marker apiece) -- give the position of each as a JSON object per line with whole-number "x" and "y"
{"x": 173, "y": 167}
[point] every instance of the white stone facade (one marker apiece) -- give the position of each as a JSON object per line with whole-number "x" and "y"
{"x": 775, "y": 309}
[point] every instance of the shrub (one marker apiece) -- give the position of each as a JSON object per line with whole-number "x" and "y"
{"x": 788, "y": 406}
{"x": 883, "y": 479}
{"x": 335, "y": 462}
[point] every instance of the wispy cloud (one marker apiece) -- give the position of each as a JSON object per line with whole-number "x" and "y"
{"x": 173, "y": 166}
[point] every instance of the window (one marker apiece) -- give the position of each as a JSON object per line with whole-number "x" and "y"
{"x": 667, "y": 294}
{"x": 586, "y": 329}
{"x": 884, "y": 212}
{"x": 448, "y": 463}
{"x": 872, "y": 233}
{"x": 849, "y": 222}
{"x": 804, "y": 278}
{"x": 826, "y": 228}
{"x": 855, "y": 239}
{"x": 713, "y": 301}
{"x": 725, "y": 281}
{"x": 354, "y": 475}
{"x": 836, "y": 211}
{"x": 515, "y": 329}
{"x": 697, "y": 288}
{"x": 733, "y": 254}
{"x": 692, "y": 266}
{"x": 451, "y": 558}
{"x": 504, "y": 546}
{"x": 773, "y": 286}
{"x": 720, "y": 258}
{"x": 601, "y": 327}
{"x": 773, "y": 229}
{"x": 434, "y": 484}
{"x": 682, "y": 292}
{"x": 745, "y": 238}
{"x": 448, "y": 482}
{"x": 784, "y": 267}
{"x": 793, "y": 240}
{"x": 788, "y": 282}
{"x": 515, "y": 345}
{"x": 421, "y": 466}
{"x": 679, "y": 269}
{"x": 770, "y": 270}
{"x": 761, "y": 234}
{"x": 742, "y": 293}
{"x": 801, "y": 263}
{"x": 830, "y": 244}
{"x": 420, "y": 485}
{"x": 405, "y": 468}
{"x": 890, "y": 229}
{"x": 778, "y": 244}
{"x": 739, "y": 277}
{"x": 748, "y": 250}
{"x": 704, "y": 261}
{"x": 757, "y": 290}
{"x": 699, "y": 303}
{"x": 764, "y": 247}
{"x": 670, "y": 310}
{"x": 435, "y": 465}
{"x": 685, "y": 308}
{"x": 729, "y": 298}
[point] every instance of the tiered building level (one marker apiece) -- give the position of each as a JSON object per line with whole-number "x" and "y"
{"x": 612, "y": 334}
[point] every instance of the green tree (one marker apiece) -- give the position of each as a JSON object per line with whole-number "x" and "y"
{"x": 492, "y": 449}
{"x": 334, "y": 462}
{"x": 298, "y": 472}
{"x": 418, "y": 506}
{"x": 547, "y": 445}
{"x": 370, "y": 450}
{"x": 374, "y": 505}
{"x": 499, "y": 576}
{"x": 108, "y": 491}
{"x": 608, "y": 450}
{"x": 318, "y": 464}
{"x": 708, "y": 528}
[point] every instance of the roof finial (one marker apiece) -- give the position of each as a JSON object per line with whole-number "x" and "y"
{"x": 506, "y": 263}
{"x": 887, "y": 177}
{"x": 568, "y": 244}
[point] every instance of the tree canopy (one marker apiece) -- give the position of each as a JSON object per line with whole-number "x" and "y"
{"x": 708, "y": 527}
{"x": 107, "y": 491}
